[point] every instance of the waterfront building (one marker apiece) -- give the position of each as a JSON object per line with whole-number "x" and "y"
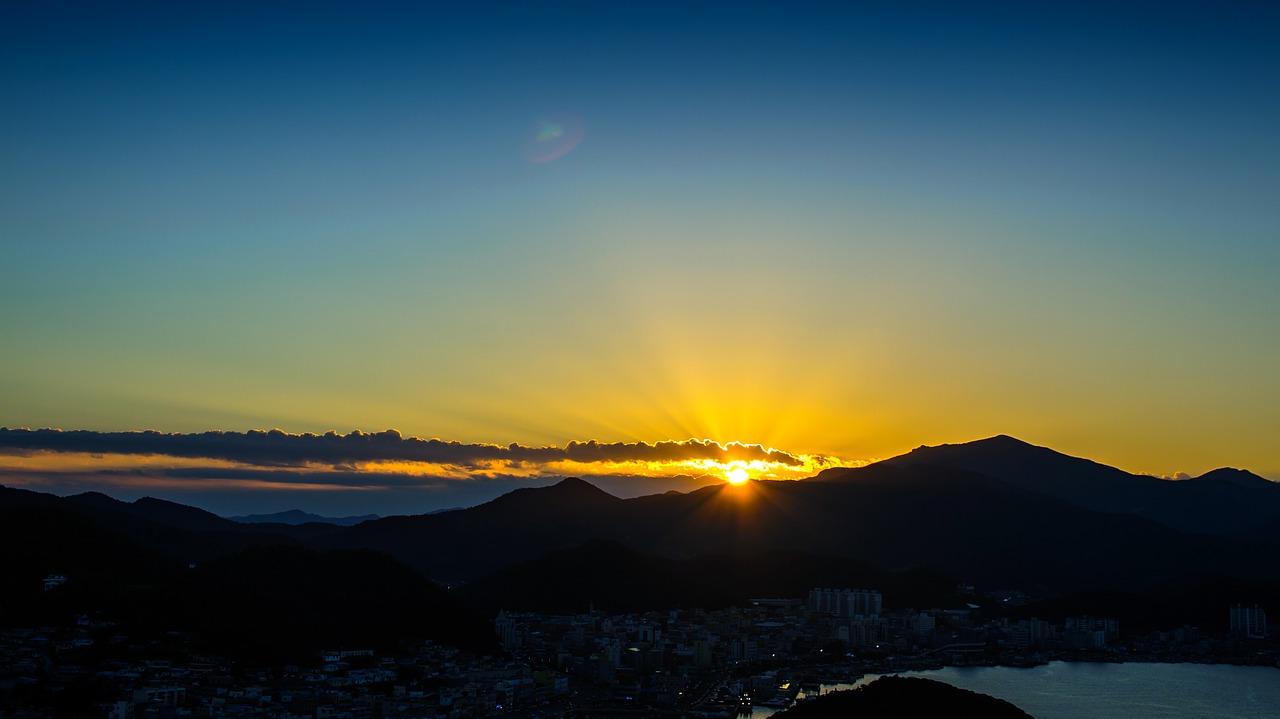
{"x": 1250, "y": 622}
{"x": 1109, "y": 626}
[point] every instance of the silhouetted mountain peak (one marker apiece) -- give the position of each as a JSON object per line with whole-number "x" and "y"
{"x": 1001, "y": 443}
{"x": 575, "y": 484}
{"x": 1002, "y": 455}
{"x": 147, "y": 509}
{"x": 578, "y": 490}
{"x": 96, "y": 497}
{"x": 1241, "y": 477}
{"x": 14, "y": 497}
{"x": 154, "y": 504}
{"x": 569, "y": 494}
{"x": 1005, "y": 441}
{"x": 976, "y": 456}
{"x": 96, "y": 502}
{"x": 1202, "y": 505}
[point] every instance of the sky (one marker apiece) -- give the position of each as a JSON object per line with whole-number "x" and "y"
{"x": 834, "y": 230}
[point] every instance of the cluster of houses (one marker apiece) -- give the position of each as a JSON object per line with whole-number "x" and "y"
{"x": 46, "y": 671}
{"x": 678, "y": 663}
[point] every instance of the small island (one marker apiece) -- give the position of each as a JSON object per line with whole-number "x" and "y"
{"x": 894, "y": 697}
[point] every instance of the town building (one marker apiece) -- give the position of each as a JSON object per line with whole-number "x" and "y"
{"x": 1249, "y": 622}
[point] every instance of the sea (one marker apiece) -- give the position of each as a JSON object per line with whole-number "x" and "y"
{"x": 1070, "y": 690}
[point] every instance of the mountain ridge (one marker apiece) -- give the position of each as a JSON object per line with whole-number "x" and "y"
{"x": 296, "y": 517}
{"x": 1242, "y": 477}
{"x": 987, "y": 526}
{"x": 1205, "y": 507}
{"x": 997, "y": 511}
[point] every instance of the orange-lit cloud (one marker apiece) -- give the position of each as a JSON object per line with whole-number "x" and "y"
{"x": 68, "y": 461}
{"x": 276, "y": 447}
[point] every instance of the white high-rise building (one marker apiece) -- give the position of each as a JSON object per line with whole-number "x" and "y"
{"x": 1249, "y": 621}
{"x": 845, "y": 602}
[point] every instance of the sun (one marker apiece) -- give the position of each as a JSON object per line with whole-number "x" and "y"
{"x": 737, "y": 475}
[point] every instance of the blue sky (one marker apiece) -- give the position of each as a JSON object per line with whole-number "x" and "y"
{"x": 837, "y": 229}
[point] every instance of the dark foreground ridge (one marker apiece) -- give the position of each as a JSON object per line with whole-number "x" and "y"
{"x": 905, "y": 698}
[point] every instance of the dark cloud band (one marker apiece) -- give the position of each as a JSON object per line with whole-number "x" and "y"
{"x": 279, "y": 448}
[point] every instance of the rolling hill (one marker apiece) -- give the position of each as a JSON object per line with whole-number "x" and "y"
{"x": 997, "y": 512}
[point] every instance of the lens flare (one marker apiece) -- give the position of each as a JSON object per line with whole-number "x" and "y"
{"x": 552, "y": 137}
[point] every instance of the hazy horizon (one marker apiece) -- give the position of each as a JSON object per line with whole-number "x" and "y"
{"x": 386, "y": 473}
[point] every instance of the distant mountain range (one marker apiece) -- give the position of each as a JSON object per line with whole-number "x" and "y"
{"x": 297, "y": 516}
{"x": 998, "y": 513}
{"x": 994, "y": 511}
